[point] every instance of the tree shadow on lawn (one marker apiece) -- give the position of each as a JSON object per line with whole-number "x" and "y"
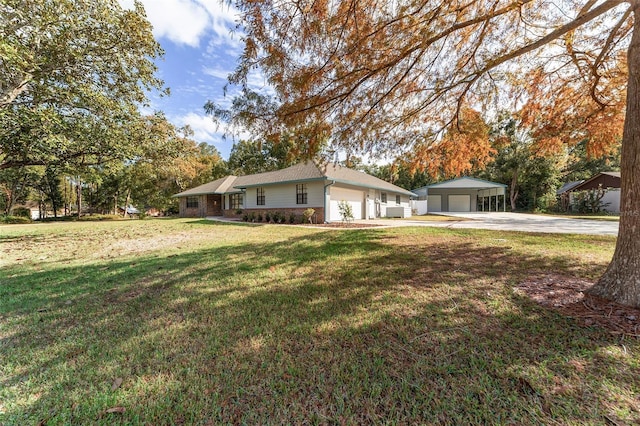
{"x": 332, "y": 327}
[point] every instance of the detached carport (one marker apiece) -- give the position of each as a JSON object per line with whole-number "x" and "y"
{"x": 463, "y": 195}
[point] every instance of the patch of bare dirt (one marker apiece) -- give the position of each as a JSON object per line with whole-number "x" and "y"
{"x": 567, "y": 296}
{"x": 146, "y": 244}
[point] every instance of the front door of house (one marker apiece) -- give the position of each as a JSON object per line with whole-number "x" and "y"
{"x": 214, "y": 205}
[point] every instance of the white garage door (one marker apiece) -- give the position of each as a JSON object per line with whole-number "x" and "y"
{"x": 353, "y": 197}
{"x": 434, "y": 203}
{"x": 459, "y": 203}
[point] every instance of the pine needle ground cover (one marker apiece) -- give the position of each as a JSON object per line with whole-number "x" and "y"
{"x": 192, "y": 322}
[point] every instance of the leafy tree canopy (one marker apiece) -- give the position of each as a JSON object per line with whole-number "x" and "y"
{"x": 74, "y": 74}
{"x": 390, "y": 77}
{"x": 254, "y": 156}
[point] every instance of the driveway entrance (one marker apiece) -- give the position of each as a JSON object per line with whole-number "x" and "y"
{"x": 531, "y": 223}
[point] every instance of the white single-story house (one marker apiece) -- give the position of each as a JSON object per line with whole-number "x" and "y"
{"x": 609, "y": 181}
{"x": 295, "y": 189}
{"x": 463, "y": 194}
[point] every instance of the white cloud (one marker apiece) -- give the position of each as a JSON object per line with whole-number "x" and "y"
{"x": 223, "y": 17}
{"x": 216, "y": 72}
{"x": 186, "y": 22}
{"x": 257, "y": 81}
{"x": 205, "y": 130}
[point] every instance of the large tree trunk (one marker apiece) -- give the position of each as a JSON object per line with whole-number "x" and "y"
{"x": 126, "y": 203}
{"x": 79, "y": 197}
{"x": 513, "y": 191}
{"x": 621, "y": 281}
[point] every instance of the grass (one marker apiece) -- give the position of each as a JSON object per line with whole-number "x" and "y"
{"x": 194, "y": 322}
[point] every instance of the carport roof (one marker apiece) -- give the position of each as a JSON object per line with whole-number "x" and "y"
{"x": 465, "y": 183}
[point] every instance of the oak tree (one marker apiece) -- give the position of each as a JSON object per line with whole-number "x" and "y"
{"x": 73, "y": 74}
{"x": 394, "y": 76}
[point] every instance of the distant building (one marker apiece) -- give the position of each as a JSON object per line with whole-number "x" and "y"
{"x": 608, "y": 181}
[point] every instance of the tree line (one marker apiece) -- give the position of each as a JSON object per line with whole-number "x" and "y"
{"x": 171, "y": 164}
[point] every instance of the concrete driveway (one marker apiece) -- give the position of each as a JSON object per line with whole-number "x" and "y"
{"x": 501, "y": 222}
{"x": 524, "y": 222}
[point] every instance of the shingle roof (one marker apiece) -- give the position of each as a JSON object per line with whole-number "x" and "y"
{"x": 354, "y": 177}
{"x": 568, "y": 186}
{"x": 586, "y": 183}
{"x": 299, "y": 172}
{"x": 614, "y": 174}
{"x": 307, "y": 171}
{"x": 218, "y": 186}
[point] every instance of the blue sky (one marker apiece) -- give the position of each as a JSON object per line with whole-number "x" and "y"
{"x": 201, "y": 49}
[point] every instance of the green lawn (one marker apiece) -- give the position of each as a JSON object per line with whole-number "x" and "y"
{"x": 192, "y": 322}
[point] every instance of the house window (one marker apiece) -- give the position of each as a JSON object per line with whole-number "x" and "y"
{"x": 260, "y": 196}
{"x": 397, "y": 199}
{"x": 301, "y": 193}
{"x": 383, "y": 196}
{"x": 235, "y": 201}
{"x": 192, "y": 202}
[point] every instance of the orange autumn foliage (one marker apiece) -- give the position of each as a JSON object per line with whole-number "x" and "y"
{"x": 462, "y": 149}
{"x": 560, "y": 113}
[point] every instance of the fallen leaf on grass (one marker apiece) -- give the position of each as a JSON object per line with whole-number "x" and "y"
{"x": 115, "y": 410}
{"x": 116, "y": 383}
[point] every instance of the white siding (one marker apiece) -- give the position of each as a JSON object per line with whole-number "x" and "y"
{"x": 284, "y": 196}
{"x": 420, "y": 207}
{"x": 611, "y": 196}
{"x": 612, "y": 199}
{"x": 405, "y": 202}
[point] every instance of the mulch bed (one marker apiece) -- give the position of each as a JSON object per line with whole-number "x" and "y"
{"x": 342, "y": 225}
{"x": 566, "y": 295}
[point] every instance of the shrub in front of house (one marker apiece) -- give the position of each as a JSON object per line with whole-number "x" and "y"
{"x": 346, "y": 212}
{"x": 98, "y": 217}
{"x": 308, "y": 215}
{"x": 22, "y": 212}
{"x": 14, "y": 220}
